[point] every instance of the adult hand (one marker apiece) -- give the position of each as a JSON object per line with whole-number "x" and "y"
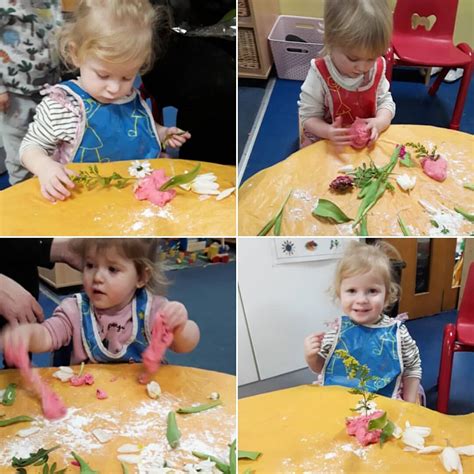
{"x": 312, "y": 345}
{"x": 174, "y": 314}
{"x": 4, "y": 101}
{"x": 17, "y": 305}
{"x": 337, "y": 134}
{"x": 55, "y": 180}
{"x": 61, "y": 251}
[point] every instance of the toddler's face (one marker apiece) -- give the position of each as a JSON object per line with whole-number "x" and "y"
{"x": 110, "y": 280}
{"x": 352, "y": 62}
{"x": 363, "y": 297}
{"x": 107, "y": 82}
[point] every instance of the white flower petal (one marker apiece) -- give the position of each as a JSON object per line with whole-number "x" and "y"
{"x": 128, "y": 448}
{"x": 65, "y": 368}
{"x": 397, "y": 432}
{"x": 153, "y": 389}
{"x": 63, "y": 376}
{"x": 451, "y": 460}
{"x": 406, "y": 182}
{"x": 225, "y": 193}
{"x": 421, "y": 430}
{"x": 413, "y": 439}
{"x": 430, "y": 449}
{"x": 466, "y": 450}
{"x": 186, "y": 186}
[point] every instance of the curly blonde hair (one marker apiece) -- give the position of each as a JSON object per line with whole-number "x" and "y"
{"x": 362, "y": 24}
{"x": 360, "y": 258}
{"x": 114, "y": 31}
{"x": 143, "y": 253}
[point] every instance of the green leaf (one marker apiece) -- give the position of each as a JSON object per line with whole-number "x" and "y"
{"x": 469, "y": 186}
{"x": 465, "y": 214}
{"x": 403, "y": 227}
{"x": 378, "y": 423}
{"x": 248, "y": 471}
{"x": 275, "y": 221}
{"x": 9, "y": 395}
{"x": 434, "y": 223}
{"x": 172, "y": 432}
{"x": 277, "y": 228}
{"x": 124, "y": 468}
{"x": 232, "y": 457}
{"x": 363, "y": 231}
{"x": 85, "y": 468}
{"x": 222, "y": 466}
{"x": 40, "y": 455}
{"x": 181, "y": 178}
{"x": 407, "y": 161}
{"x": 253, "y": 455}
{"x": 16, "y": 419}
{"x": 198, "y": 408}
{"x": 266, "y": 228}
{"x": 328, "y": 210}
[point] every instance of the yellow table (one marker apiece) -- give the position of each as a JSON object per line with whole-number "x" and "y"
{"x": 309, "y": 171}
{"x": 112, "y": 211}
{"x": 128, "y": 413}
{"x": 302, "y": 429}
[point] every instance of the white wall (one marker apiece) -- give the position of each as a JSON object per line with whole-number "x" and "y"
{"x": 282, "y": 304}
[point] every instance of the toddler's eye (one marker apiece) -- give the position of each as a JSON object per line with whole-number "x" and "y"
{"x": 113, "y": 270}
{"x": 373, "y": 290}
{"x": 350, "y": 290}
{"x": 103, "y": 76}
{"x": 127, "y": 78}
{"x": 89, "y": 265}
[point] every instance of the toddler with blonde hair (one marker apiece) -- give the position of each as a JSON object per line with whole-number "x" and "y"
{"x": 364, "y": 284}
{"x": 99, "y": 116}
{"x": 349, "y": 81}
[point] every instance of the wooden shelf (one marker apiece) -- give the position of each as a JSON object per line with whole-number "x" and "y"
{"x": 255, "y": 58}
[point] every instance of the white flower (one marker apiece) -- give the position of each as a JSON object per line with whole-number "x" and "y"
{"x": 414, "y": 436}
{"x": 214, "y": 396}
{"x": 406, "y": 182}
{"x": 63, "y": 375}
{"x": 451, "y": 460}
{"x": 372, "y": 407}
{"x": 225, "y": 193}
{"x": 140, "y": 168}
{"x": 466, "y": 450}
{"x": 153, "y": 389}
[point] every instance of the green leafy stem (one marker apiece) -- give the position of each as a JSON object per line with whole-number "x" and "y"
{"x": 91, "y": 178}
{"x": 198, "y": 408}
{"x": 181, "y": 179}
{"x": 275, "y": 222}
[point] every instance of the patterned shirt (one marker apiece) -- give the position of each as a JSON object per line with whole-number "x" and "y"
{"x": 28, "y": 52}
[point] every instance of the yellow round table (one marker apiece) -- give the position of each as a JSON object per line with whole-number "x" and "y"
{"x": 128, "y": 413}
{"x": 309, "y": 171}
{"x": 302, "y": 429}
{"x": 116, "y": 212}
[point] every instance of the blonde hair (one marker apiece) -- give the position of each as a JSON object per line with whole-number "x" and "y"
{"x": 362, "y": 24}
{"x": 114, "y": 31}
{"x": 360, "y": 258}
{"x": 143, "y": 253}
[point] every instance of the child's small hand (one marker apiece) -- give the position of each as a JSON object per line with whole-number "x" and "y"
{"x": 175, "y": 315}
{"x": 4, "y": 101}
{"x": 175, "y": 137}
{"x": 55, "y": 180}
{"x": 312, "y": 345}
{"x": 337, "y": 134}
{"x": 373, "y": 126}
{"x": 14, "y": 336}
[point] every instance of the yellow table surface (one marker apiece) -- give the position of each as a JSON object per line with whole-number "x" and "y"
{"x": 302, "y": 429}
{"x": 129, "y": 413}
{"x": 309, "y": 171}
{"x": 112, "y": 211}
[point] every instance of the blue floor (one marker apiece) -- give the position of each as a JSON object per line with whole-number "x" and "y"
{"x": 428, "y": 334}
{"x": 209, "y": 296}
{"x": 278, "y": 134}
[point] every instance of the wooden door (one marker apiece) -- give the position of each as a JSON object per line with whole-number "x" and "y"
{"x": 427, "y": 289}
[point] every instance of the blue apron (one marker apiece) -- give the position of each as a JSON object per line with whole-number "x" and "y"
{"x": 133, "y": 349}
{"x": 376, "y": 347}
{"x": 114, "y": 132}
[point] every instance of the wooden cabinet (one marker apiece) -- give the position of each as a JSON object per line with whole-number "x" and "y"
{"x": 60, "y": 276}
{"x": 256, "y": 19}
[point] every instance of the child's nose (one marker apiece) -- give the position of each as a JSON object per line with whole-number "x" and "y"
{"x": 98, "y": 275}
{"x": 113, "y": 87}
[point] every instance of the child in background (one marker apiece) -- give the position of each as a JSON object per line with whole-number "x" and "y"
{"x": 99, "y": 116}
{"x": 113, "y": 319}
{"x": 29, "y": 60}
{"x": 364, "y": 284}
{"x": 349, "y": 81}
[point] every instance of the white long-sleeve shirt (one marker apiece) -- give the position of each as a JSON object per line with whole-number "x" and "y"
{"x": 314, "y": 98}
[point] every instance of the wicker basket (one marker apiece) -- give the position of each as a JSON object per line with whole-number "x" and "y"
{"x": 243, "y": 8}
{"x": 248, "y": 54}
{"x": 292, "y": 58}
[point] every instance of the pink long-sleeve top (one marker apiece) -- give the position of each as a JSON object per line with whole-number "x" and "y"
{"x": 116, "y": 328}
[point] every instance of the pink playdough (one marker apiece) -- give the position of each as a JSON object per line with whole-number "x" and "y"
{"x": 161, "y": 339}
{"x": 100, "y": 394}
{"x": 148, "y": 188}
{"x": 53, "y": 406}
{"x": 77, "y": 380}
{"x": 359, "y": 427}
{"x": 360, "y": 134}
{"x": 435, "y": 169}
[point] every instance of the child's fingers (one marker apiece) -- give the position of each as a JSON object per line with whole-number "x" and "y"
{"x": 67, "y": 181}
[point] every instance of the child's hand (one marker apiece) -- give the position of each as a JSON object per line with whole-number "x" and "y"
{"x": 14, "y": 336}
{"x": 55, "y": 180}
{"x": 373, "y": 126}
{"x": 312, "y": 345}
{"x": 337, "y": 134}
{"x": 174, "y": 137}
{"x": 175, "y": 315}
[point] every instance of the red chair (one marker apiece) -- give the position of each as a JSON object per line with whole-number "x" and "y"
{"x": 430, "y": 48}
{"x": 457, "y": 337}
